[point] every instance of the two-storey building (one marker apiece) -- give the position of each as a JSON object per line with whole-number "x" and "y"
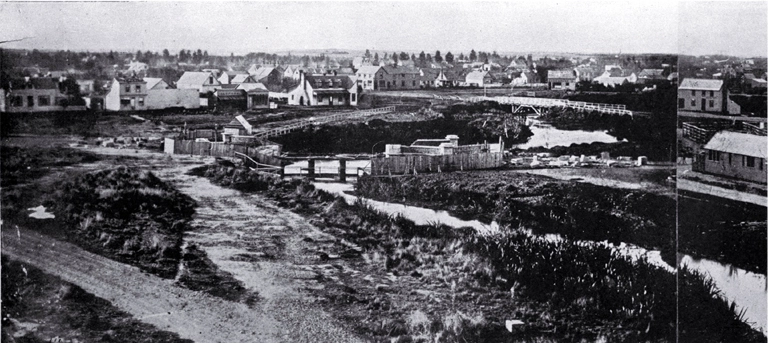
{"x": 126, "y": 94}
{"x": 703, "y": 95}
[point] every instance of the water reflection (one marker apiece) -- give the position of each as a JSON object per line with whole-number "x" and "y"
{"x": 748, "y": 290}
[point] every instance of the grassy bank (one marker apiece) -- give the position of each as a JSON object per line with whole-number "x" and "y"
{"x": 121, "y": 213}
{"x": 38, "y": 307}
{"x": 473, "y": 123}
{"x": 588, "y": 212}
{"x": 562, "y": 290}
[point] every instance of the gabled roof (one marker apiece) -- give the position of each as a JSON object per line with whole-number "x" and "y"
{"x": 229, "y": 86}
{"x": 195, "y": 78}
{"x": 701, "y": 84}
{"x": 248, "y": 86}
{"x": 240, "y": 78}
{"x": 430, "y": 73}
{"x": 739, "y": 143}
{"x": 749, "y": 76}
{"x": 561, "y": 74}
{"x": 330, "y": 81}
{"x": 651, "y": 73}
{"x": 152, "y": 81}
{"x": 261, "y": 73}
{"x": 368, "y": 70}
{"x": 400, "y": 70}
{"x": 477, "y": 75}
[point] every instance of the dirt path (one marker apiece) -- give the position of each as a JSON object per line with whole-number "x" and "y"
{"x": 153, "y": 300}
{"x": 273, "y": 251}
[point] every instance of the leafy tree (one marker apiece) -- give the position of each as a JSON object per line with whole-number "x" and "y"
{"x": 422, "y": 58}
{"x": 403, "y": 56}
{"x": 138, "y": 55}
{"x": 461, "y": 56}
{"x": 376, "y": 58}
{"x": 429, "y": 58}
{"x": 449, "y": 57}
{"x": 367, "y": 53}
{"x": 394, "y": 58}
{"x": 166, "y": 54}
{"x": 413, "y": 57}
{"x": 438, "y": 58}
{"x": 473, "y": 55}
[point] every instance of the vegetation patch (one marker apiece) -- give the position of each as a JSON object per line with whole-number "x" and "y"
{"x": 38, "y": 307}
{"x": 454, "y": 285}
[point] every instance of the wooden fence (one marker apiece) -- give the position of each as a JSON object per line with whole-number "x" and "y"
{"x": 188, "y": 147}
{"x": 441, "y": 163}
{"x": 281, "y": 130}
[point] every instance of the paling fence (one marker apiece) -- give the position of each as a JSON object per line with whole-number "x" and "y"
{"x": 435, "y": 163}
{"x": 189, "y": 147}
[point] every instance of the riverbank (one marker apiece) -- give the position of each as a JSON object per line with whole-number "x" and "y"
{"x": 577, "y": 210}
{"x": 456, "y": 283}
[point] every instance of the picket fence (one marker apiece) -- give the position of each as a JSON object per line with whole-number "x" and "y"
{"x": 435, "y": 163}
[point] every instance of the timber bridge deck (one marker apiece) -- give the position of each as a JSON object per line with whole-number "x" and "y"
{"x": 281, "y": 130}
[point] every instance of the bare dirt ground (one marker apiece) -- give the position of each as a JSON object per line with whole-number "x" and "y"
{"x": 644, "y": 178}
{"x": 271, "y": 250}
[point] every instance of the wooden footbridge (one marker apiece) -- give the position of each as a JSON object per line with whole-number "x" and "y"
{"x": 281, "y": 130}
{"x": 536, "y": 104}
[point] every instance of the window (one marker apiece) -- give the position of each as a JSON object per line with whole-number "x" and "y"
{"x": 17, "y": 101}
{"x": 292, "y": 96}
{"x": 414, "y": 83}
{"x": 354, "y": 97}
{"x": 680, "y": 103}
{"x": 761, "y": 164}
{"x": 125, "y": 102}
{"x": 402, "y": 83}
{"x": 712, "y": 93}
{"x": 711, "y": 103}
{"x": 730, "y": 158}
{"x": 693, "y": 102}
{"x": 693, "y": 93}
{"x": 30, "y": 101}
{"x": 127, "y": 88}
{"x": 713, "y": 155}
{"x": 44, "y": 101}
{"x": 749, "y": 161}
{"x": 138, "y": 88}
{"x": 210, "y": 80}
{"x": 141, "y": 102}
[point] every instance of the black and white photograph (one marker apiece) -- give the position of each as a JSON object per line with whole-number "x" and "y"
{"x": 393, "y": 171}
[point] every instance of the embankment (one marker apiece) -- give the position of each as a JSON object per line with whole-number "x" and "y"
{"x": 563, "y": 291}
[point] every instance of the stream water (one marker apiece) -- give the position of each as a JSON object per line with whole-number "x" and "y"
{"x": 748, "y": 290}
{"x": 545, "y": 135}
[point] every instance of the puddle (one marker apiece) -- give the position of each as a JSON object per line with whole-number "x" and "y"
{"x": 40, "y": 213}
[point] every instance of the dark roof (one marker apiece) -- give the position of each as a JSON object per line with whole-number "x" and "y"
{"x": 35, "y": 83}
{"x": 431, "y": 73}
{"x": 329, "y": 81}
{"x": 400, "y": 70}
{"x": 230, "y": 86}
{"x": 750, "y": 103}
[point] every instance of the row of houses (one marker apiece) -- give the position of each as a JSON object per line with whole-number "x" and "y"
{"x": 612, "y": 76}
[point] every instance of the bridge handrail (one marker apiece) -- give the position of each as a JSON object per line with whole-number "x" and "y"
{"x": 323, "y": 120}
{"x": 262, "y": 165}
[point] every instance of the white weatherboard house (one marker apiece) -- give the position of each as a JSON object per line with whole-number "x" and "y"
{"x": 737, "y": 155}
{"x": 204, "y": 82}
{"x": 324, "y": 90}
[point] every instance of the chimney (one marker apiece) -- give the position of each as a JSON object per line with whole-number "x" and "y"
{"x": 302, "y": 80}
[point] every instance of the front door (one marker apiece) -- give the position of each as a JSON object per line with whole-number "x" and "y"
{"x": 703, "y": 104}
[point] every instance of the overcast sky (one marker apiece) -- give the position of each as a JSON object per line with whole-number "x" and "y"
{"x": 223, "y": 27}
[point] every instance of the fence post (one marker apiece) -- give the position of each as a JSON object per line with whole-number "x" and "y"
{"x": 311, "y": 169}
{"x": 343, "y": 170}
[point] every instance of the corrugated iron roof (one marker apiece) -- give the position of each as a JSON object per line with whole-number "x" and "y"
{"x": 701, "y": 84}
{"x": 560, "y": 74}
{"x": 739, "y": 143}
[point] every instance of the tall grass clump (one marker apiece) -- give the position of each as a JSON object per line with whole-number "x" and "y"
{"x": 125, "y": 214}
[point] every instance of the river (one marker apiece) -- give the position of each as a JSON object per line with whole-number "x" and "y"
{"x": 748, "y": 290}
{"x": 545, "y": 135}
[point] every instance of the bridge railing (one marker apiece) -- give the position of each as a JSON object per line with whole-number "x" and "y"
{"x": 547, "y": 102}
{"x": 322, "y": 120}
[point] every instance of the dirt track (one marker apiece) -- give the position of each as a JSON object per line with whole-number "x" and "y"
{"x": 234, "y": 230}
